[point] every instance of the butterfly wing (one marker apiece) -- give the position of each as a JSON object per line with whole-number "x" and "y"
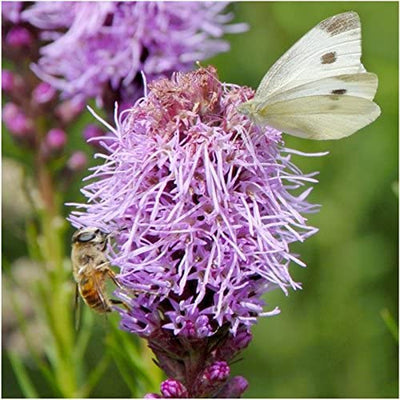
{"x": 321, "y": 117}
{"x": 318, "y": 89}
{"x": 358, "y": 85}
{"x": 331, "y": 48}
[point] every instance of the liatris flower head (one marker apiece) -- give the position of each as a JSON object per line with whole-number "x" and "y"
{"x": 201, "y": 206}
{"x": 98, "y": 49}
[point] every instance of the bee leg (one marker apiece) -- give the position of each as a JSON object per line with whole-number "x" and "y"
{"x": 111, "y": 274}
{"x": 119, "y": 302}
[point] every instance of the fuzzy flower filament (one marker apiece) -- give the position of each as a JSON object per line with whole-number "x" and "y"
{"x": 204, "y": 206}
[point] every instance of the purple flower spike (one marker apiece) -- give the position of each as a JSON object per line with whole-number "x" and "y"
{"x": 200, "y": 202}
{"x": 106, "y": 45}
{"x": 172, "y": 388}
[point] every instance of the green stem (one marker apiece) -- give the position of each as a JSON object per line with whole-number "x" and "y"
{"x": 56, "y": 294}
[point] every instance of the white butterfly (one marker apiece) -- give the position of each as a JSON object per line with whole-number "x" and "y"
{"x": 318, "y": 89}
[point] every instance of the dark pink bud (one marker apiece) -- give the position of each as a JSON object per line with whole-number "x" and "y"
{"x": 43, "y": 93}
{"x": 7, "y": 80}
{"x": 242, "y": 339}
{"x": 56, "y": 139}
{"x": 16, "y": 121}
{"x": 234, "y": 388}
{"x": 77, "y": 161}
{"x": 219, "y": 371}
{"x": 172, "y": 388}
{"x": 18, "y": 36}
{"x": 152, "y": 396}
{"x": 69, "y": 110}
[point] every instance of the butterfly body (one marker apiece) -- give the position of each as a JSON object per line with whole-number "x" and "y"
{"x": 318, "y": 89}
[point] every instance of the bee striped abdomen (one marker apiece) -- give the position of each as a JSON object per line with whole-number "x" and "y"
{"x": 94, "y": 297}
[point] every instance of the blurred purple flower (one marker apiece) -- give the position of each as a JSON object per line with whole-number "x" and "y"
{"x": 16, "y": 121}
{"x": 11, "y": 11}
{"x": 77, "y": 161}
{"x": 201, "y": 206}
{"x": 105, "y": 45}
{"x": 7, "y": 80}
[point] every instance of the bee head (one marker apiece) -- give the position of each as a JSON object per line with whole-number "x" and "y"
{"x": 90, "y": 235}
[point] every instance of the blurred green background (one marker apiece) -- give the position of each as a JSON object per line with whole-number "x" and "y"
{"x": 330, "y": 339}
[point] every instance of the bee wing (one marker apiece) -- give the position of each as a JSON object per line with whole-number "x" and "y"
{"x": 99, "y": 286}
{"x": 77, "y": 308}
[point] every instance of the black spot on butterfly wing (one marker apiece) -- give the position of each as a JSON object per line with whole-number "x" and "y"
{"x": 339, "y": 91}
{"x": 328, "y": 58}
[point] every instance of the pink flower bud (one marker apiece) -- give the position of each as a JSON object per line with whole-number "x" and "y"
{"x": 56, "y": 139}
{"x": 16, "y": 121}
{"x": 219, "y": 371}
{"x": 18, "y": 36}
{"x": 172, "y": 388}
{"x": 43, "y": 93}
{"x": 7, "y": 80}
{"x": 242, "y": 339}
{"x": 69, "y": 110}
{"x": 234, "y": 388}
{"x": 77, "y": 161}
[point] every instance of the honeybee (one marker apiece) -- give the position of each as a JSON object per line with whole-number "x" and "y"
{"x": 91, "y": 268}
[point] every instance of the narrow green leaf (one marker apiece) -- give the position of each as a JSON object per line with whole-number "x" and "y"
{"x": 390, "y": 323}
{"x": 95, "y": 375}
{"x": 126, "y": 374}
{"x": 23, "y": 378}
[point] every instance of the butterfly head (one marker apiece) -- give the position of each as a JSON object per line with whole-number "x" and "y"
{"x": 252, "y": 110}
